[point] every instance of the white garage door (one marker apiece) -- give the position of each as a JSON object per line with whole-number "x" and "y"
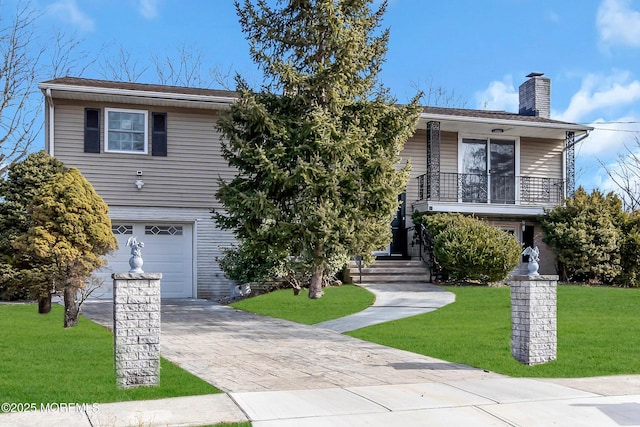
{"x": 167, "y": 250}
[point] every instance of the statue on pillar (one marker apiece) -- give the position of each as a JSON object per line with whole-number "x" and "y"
{"x": 135, "y": 262}
{"x": 534, "y": 258}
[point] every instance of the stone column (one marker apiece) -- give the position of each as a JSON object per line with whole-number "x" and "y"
{"x": 533, "y": 318}
{"x": 136, "y": 328}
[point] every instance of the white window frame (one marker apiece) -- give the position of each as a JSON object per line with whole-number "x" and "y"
{"x": 487, "y": 139}
{"x": 145, "y": 114}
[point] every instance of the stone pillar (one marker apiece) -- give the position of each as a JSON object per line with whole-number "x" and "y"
{"x": 533, "y": 318}
{"x": 136, "y": 328}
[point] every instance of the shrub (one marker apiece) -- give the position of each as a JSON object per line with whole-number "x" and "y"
{"x": 245, "y": 264}
{"x": 466, "y": 248}
{"x": 586, "y": 236}
{"x": 630, "y": 251}
{"x": 474, "y": 250}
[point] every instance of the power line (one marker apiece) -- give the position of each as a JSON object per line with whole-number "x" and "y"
{"x": 618, "y": 130}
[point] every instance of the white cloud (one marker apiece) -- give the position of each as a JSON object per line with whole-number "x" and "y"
{"x": 69, "y": 11}
{"x": 148, "y": 8}
{"x": 599, "y": 93}
{"x": 499, "y": 95}
{"x": 618, "y": 24}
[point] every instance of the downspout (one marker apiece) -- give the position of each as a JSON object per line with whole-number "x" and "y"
{"x": 50, "y": 132}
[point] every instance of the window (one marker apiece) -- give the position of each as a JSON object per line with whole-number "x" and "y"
{"x": 163, "y": 230}
{"x": 120, "y": 230}
{"x": 488, "y": 170}
{"x": 91, "y": 130}
{"x": 159, "y": 134}
{"x": 126, "y": 131}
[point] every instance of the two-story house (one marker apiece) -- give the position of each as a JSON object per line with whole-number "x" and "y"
{"x": 153, "y": 153}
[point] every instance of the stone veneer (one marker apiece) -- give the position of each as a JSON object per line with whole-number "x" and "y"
{"x": 533, "y": 318}
{"x": 136, "y": 328}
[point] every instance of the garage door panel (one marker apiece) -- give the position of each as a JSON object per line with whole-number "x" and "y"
{"x": 167, "y": 250}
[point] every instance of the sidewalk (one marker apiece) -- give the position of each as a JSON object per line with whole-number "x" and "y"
{"x": 280, "y": 373}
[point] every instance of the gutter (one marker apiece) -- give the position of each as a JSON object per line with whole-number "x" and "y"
{"x": 50, "y": 123}
{"x": 506, "y": 122}
{"x": 136, "y": 93}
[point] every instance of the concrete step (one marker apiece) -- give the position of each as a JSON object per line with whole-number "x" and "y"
{"x": 392, "y": 271}
{"x": 397, "y": 278}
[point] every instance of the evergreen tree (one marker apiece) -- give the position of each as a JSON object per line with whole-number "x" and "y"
{"x": 586, "y": 236}
{"x": 23, "y": 181}
{"x": 70, "y": 232}
{"x": 316, "y": 149}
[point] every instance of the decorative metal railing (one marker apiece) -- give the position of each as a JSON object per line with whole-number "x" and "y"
{"x": 493, "y": 189}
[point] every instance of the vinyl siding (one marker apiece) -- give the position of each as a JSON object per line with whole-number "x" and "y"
{"x": 449, "y": 152}
{"x": 187, "y": 177}
{"x": 414, "y": 150}
{"x": 541, "y": 158}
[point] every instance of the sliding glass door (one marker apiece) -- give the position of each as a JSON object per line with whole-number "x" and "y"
{"x": 487, "y": 171}
{"x": 502, "y": 171}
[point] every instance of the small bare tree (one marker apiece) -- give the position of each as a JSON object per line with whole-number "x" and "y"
{"x": 19, "y": 58}
{"x": 185, "y": 69}
{"x": 122, "y": 66}
{"x": 24, "y": 61}
{"x": 625, "y": 174}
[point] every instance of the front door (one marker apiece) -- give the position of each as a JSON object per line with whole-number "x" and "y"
{"x": 398, "y": 228}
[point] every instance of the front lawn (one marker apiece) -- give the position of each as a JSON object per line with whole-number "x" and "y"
{"x": 41, "y": 362}
{"x": 598, "y": 332}
{"x": 338, "y": 301}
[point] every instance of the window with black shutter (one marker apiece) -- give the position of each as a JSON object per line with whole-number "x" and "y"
{"x": 91, "y": 130}
{"x": 159, "y": 134}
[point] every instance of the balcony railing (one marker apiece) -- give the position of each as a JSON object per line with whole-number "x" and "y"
{"x": 493, "y": 189}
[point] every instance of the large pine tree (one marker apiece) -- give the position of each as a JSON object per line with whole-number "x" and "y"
{"x": 317, "y": 148}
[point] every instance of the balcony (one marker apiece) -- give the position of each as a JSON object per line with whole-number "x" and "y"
{"x": 517, "y": 194}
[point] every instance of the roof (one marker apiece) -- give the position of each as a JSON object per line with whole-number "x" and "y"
{"x": 457, "y": 119}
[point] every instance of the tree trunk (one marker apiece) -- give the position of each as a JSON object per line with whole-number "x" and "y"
{"x": 71, "y": 307}
{"x": 315, "y": 287}
{"x": 44, "y": 304}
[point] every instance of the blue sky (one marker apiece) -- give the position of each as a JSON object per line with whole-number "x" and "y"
{"x": 479, "y": 51}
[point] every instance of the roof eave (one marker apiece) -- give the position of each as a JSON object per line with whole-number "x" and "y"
{"x": 506, "y": 122}
{"x": 129, "y": 93}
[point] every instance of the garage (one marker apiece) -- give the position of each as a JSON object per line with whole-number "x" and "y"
{"x": 168, "y": 249}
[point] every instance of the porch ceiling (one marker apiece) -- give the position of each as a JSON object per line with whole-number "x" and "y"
{"x": 510, "y": 128}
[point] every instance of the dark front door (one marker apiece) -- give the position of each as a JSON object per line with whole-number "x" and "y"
{"x": 398, "y": 228}
{"x": 527, "y": 240}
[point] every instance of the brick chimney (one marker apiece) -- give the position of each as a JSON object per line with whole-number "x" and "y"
{"x": 535, "y": 96}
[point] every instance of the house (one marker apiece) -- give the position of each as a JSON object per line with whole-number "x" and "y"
{"x": 153, "y": 153}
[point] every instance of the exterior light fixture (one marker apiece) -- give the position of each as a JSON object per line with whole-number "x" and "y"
{"x": 497, "y": 130}
{"x": 523, "y": 225}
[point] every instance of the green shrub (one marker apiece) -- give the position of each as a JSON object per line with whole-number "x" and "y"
{"x": 474, "y": 250}
{"x": 630, "y": 251}
{"x": 466, "y": 248}
{"x": 243, "y": 265}
{"x": 246, "y": 263}
{"x": 586, "y": 236}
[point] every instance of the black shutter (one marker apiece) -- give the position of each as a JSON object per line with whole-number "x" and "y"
{"x": 91, "y": 130}
{"x": 159, "y": 134}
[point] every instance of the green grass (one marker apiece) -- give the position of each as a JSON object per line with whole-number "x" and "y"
{"x": 41, "y": 362}
{"x": 598, "y": 332}
{"x": 337, "y": 302}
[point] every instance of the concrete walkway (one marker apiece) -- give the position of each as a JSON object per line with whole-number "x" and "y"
{"x": 279, "y": 373}
{"x": 393, "y": 301}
